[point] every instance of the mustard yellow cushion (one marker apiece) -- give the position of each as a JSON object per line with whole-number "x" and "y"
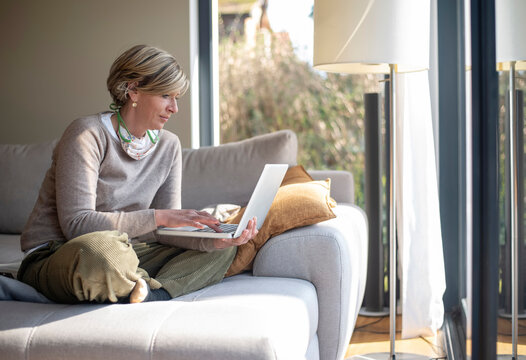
{"x": 300, "y": 201}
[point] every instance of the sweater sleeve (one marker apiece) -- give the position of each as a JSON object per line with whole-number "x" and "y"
{"x": 78, "y": 160}
{"x": 169, "y": 194}
{"x": 169, "y": 197}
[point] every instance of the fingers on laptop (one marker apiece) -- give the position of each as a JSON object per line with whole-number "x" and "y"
{"x": 200, "y": 218}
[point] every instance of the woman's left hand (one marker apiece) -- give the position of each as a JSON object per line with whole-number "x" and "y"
{"x": 248, "y": 234}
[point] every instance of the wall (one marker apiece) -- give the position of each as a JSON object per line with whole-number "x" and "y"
{"x": 56, "y": 55}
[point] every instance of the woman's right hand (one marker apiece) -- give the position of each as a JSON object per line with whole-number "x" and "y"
{"x": 185, "y": 217}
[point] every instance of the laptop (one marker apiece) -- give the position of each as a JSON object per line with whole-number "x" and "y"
{"x": 258, "y": 206}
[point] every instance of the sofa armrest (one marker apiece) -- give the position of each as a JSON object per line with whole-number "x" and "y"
{"x": 332, "y": 255}
{"x": 342, "y": 184}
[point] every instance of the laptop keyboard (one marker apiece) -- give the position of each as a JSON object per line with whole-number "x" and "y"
{"x": 226, "y": 228}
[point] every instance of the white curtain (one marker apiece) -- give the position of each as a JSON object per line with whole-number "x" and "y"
{"x": 421, "y": 259}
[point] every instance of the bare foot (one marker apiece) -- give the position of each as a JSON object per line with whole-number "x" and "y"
{"x": 139, "y": 292}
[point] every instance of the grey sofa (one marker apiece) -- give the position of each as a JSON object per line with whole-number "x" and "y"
{"x": 300, "y": 301}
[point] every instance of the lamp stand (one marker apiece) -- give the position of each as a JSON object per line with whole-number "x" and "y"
{"x": 514, "y": 183}
{"x": 392, "y": 355}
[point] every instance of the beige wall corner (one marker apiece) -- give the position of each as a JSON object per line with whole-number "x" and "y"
{"x": 56, "y": 55}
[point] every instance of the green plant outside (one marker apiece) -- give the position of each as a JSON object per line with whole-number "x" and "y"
{"x": 264, "y": 87}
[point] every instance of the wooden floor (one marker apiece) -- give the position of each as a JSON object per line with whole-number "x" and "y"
{"x": 371, "y": 335}
{"x": 504, "y": 345}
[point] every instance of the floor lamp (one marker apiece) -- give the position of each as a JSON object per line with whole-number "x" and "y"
{"x": 381, "y": 36}
{"x": 511, "y": 55}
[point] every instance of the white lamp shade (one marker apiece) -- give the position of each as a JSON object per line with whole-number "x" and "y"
{"x": 510, "y": 28}
{"x": 365, "y": 36}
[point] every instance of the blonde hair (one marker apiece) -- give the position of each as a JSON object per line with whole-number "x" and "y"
{"x": 154, "y": 70}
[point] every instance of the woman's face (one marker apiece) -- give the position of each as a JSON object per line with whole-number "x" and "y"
{"x": 155, "y": 110}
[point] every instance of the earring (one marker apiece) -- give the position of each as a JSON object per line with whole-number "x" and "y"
{"x": 134, "y": 104}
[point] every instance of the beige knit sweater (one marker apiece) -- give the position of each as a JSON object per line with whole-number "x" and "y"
{"x": 94, "y": 185}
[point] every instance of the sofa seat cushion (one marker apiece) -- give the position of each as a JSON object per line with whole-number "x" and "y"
{"x": 10, "y": 254}
{"x": 243, "y": 317}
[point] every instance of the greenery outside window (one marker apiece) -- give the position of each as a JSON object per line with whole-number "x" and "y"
{"x": 265, "y": 86}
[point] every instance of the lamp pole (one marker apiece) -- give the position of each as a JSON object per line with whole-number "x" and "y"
{"x": 392, "y": 210}
{"x": 513, "y": 157}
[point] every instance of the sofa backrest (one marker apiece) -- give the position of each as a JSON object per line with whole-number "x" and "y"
{"x": 228, "y": 173}
{"x": 211, "y": 175}
{"x": 22, "y": 169}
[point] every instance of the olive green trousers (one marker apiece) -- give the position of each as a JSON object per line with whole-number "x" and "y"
{"x": 104, "y": 267}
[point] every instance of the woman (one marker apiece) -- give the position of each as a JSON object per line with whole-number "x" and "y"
{"x": 115, "y": 177}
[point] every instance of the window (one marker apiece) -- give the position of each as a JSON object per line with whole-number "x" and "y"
{"x": 267, "y": 83}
